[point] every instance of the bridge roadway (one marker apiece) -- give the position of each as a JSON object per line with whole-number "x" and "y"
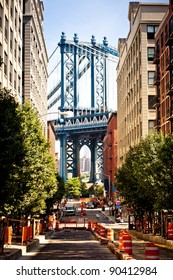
{"x": 72, "y": 243}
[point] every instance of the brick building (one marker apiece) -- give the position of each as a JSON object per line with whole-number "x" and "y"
{"x": 110, "y": 154}
{"x": 164, "y": 73}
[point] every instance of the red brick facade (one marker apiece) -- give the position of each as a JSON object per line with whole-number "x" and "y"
{"x": 110, "y": 151}
{"x": 164, "y": 73}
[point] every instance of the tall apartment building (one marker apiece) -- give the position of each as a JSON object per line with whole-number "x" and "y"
{"x": 35, "y": 59}
{"x": 110, "y": 154}
{"x": 11, "y": 46}
{"x": 23, "y": 55}
{"x": 164, "y": 73}
{"x": 136, "y": 74}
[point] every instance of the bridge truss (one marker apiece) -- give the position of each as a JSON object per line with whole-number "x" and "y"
{"x": 83, "y": 109}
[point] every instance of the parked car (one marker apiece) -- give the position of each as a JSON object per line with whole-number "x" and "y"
{"x": 90, "y": 205}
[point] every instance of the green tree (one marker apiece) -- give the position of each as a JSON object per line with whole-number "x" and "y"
{"x": 38, "y": 173}
{"x": 99, "y": 190}
{"x": 138, "y": 178}
{"x": 73, "y": 187}
{"x": 165, "y": 180}
{"x": 58, "y": 195}
{"x": 84, "y": 190}
{"x": 27, "y": 169}
{"x": 11, "y": 148}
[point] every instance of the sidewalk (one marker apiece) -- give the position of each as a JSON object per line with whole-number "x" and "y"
{"x": 139, "y": 240}
{"x": 14, "y": 252}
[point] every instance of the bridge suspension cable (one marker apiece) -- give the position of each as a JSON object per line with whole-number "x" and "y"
{"x": 53, "y": 53}
{"x": 93, "y": 51}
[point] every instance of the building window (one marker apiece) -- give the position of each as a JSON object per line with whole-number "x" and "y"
{"x": 11, "y": 39}
{"x": 151, "y": 30}
{"x": 1, "y": 54}
{"x": 19, "y": 80}
{"x": 15, "y": 18}
{"x": 10, "y": 74}
{"x": 5, "y": 63}
{"x": 171, "y": 25}
{"x": 15, "y": 78}
{"x": 6, "y": 28}
{"x": 171, "y": 77}
{"x": 1, "y": 15}
{"x": 11, "y": 8}
{"x": 151, "y": 54}
{"x": 151, "y": 77}
{"x": 19, "y": 55}
{"x": 151, "y": 101}
{"x": 19, "y": 26}
{"x": 151, "y": 125}
{"x": 15, "y": 49}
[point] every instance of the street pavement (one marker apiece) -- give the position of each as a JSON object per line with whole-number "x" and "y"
{"x": 139, "y": 241}
{"x": 70, "y": 244}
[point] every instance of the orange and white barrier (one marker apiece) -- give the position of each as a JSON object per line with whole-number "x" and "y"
{"x": 121, "y": 245}
{"x": 110, "y": 234}
{"x": 127, "y": 243}
{"x": 151, "y": 251}
{"x": 102, "y": 231}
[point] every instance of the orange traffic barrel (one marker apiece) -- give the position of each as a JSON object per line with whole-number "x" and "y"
{"x": 89, "y": 225}
{"x": 94, "y": 225}
{"x": 121, "y": 246}
{"x": 102, "y": 231}
{"x": 170, "y": 230}
{"x": 127, "y": 243}
{"x": 110, "y": 234}
{"x": 151, "y": 251}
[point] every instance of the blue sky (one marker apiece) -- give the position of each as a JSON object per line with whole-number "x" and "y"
{"x": 86, "y": 18}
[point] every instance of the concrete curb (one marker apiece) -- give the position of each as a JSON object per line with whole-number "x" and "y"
{"x": 121, "y": 255}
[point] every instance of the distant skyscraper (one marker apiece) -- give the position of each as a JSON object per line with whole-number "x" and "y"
{"x": 85, "y": 164}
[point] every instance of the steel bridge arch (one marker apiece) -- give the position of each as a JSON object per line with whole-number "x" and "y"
{"x": 85, "y": 124}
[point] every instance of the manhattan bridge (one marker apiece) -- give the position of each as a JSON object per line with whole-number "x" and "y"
{"x": 81, "y": 79}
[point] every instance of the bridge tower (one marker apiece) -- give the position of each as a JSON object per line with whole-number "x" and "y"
{"x": 82, "y": 124}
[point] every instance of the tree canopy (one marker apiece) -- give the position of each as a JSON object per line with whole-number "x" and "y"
{"x": 73, "y": 187}
{"x": 145, "y": 178}
{"x": 27, "y": 169}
